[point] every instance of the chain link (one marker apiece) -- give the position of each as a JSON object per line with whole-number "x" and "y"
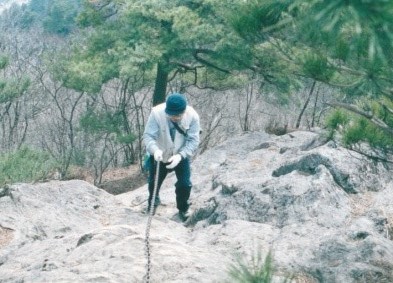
{"x": 151, "y": 209}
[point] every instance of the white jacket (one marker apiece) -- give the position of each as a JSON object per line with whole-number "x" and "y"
{"x": 157, "y": 134}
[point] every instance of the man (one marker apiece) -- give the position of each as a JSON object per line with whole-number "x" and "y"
{"x": 171, "y": 137}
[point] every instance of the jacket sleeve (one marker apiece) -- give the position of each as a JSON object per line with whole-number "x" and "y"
{"x": 151, "y": 134}
{"x": 192, "y": 140}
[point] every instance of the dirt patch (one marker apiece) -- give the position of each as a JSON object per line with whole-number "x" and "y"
{"x": 114, "y": 180}
{"x": 124, "y": 185}
{"x": 6, "y": 236}
{"x": 122, "y": 180}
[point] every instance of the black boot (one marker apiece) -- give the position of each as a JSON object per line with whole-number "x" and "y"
{"x": 157, "y": 202}
{"x": 184, "y": 215}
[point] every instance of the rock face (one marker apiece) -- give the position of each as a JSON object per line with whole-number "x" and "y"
{"x": 325, "y": 212}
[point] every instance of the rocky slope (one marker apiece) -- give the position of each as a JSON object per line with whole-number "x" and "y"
{"x": 325, "y": 212}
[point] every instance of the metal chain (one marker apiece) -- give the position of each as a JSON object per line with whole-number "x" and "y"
{"x": 149, "y": 220}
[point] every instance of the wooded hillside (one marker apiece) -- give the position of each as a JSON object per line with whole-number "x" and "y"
{"x": 78, "y": 78}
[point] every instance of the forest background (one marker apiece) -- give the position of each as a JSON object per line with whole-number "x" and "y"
{"x": 78, "y": 78}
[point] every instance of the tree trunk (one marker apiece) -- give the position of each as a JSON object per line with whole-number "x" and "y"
{"x": 315, "y": 109}
{"x": 305, "y": 105}
{"x": 161, "y": 84}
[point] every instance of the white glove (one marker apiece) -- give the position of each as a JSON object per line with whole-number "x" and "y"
{"x": 158, "y": 155}
{"x": 175, "y": 159}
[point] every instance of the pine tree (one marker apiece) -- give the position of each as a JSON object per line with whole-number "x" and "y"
{"x": 346, "y": 45}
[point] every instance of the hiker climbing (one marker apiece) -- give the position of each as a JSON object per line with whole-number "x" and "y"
{"x": 171, "y": 137}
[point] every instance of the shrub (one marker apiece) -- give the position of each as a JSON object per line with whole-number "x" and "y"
{"x": 256, "y": 270}
{"x": 25, "y": 165}
{"x": 363, "y": 130}
{"x": 337, "y": 118}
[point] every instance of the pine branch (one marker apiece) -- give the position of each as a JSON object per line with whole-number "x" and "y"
{"x": 108, "y": 5}
{"x": 207, "y": 63}
{"x": 352, "y": 108}
{"x": 373, "y": 157}
{"x": 389, "y": 110}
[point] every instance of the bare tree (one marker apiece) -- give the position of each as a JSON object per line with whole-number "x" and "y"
{"x": 19, "y": 104}
{"x": 305, "y": 104}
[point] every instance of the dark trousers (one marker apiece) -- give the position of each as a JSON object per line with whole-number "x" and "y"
{"x": 183, "y": 184}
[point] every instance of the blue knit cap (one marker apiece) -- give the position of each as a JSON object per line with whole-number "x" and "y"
{"x": 175, "y": 104}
